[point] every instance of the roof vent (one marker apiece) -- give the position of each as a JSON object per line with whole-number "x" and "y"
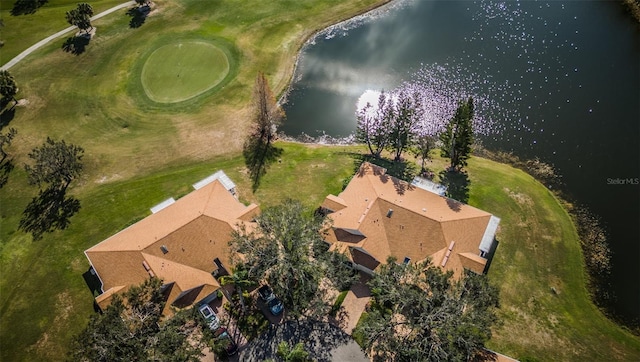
{"x": 148, "y": 269}
{"x": 164, "y": 249}
{"x": 389, "y": 213}
{"x": 424, "y": 209}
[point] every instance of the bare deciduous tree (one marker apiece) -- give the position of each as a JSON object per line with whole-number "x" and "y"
{"x": 268, "y": 113}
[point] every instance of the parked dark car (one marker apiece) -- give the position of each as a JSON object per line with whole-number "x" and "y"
{"x": 230, "y": 346}
{"x": 274, "y": 304}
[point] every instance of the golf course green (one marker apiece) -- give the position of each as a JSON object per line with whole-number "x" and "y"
{"x": 182, "y": 70}
{"x": 149, "y": 135}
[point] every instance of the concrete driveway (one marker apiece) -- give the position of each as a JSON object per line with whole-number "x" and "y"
{"x": 353, "y": 305}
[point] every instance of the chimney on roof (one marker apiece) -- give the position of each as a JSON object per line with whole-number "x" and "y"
{"x": 164, "y": 249}
{"x": 389, "y": 213}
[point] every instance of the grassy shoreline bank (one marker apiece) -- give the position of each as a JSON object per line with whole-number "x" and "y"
{"x": 138, "y": 155}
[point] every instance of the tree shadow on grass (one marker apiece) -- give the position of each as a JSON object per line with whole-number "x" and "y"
{"x": 258, "y": 156}
{"x": 76, "y": 45}
{"x": 6, "y": 162}
{"x": 457, "y": 184}
{"x": 6, "y": 166}
{"x": 24, "y": 7}
{"x": 47, "y": 212}
{"x": 138, "y": 15}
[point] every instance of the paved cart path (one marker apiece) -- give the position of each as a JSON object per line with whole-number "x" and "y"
{"x": 46, "y": 40}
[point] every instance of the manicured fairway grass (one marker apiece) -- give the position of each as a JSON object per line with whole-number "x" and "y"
{"x": 182, "y": 70}
{"x": 138, "y": 153}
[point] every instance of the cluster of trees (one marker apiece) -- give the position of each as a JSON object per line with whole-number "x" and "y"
{"x": 132, "y": 329}
{"x": 396, "y": 124}
{"x": 287, "y": 250}
{"x": 420, "y": 313}
{"x": 258, "y": 150}
{"x": 81, "y": 17}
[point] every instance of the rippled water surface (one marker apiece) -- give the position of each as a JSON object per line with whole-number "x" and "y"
{"x": 555, "y": 80}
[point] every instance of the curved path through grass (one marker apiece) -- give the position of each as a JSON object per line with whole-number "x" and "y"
{"x": 46, "y": 40}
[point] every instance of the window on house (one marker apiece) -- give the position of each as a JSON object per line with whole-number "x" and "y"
{"x": 406, "y": 260}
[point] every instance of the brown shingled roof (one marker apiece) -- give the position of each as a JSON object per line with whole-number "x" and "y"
{"x": 177, "y": 244}
{"x": 385, "y": 216}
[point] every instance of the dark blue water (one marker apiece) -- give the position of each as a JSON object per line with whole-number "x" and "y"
{"x": 555, "y": 80}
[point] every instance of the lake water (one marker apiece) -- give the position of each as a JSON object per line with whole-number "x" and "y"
{"x": 555, "y": 80}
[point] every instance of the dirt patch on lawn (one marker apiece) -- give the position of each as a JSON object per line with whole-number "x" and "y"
{"x": 224, "y": 134}
{"x": 537, "y": 335}
{"x": 521, "y": 199}
{"x": 47, "y": 346}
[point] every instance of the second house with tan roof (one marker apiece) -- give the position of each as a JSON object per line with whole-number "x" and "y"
{"x": 378, "y": 216}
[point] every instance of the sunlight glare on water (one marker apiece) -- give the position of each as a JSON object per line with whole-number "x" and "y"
{"x": 368, "y": 97}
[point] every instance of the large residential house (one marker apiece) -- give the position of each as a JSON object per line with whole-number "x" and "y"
{"x": 378, "y": 216}
{"x": 184, "y": 243}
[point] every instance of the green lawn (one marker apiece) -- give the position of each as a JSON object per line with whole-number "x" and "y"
{"x": 139, "y": 152}
{"x": 43, "y": 291}
{"x": 546, "y": 309}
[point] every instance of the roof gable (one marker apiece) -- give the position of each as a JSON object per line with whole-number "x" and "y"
{"x": 178, "y": 243}
{"x": 400, "y": 220}
{"x": 196, "y": 244}
{"x": 185, "y": 276}
{"x": 212, "y": 200}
